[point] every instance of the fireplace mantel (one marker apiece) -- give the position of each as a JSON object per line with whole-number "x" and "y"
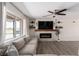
{"x": 46, "y": 30}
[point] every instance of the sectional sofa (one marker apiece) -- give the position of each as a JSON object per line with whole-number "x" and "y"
{"x": 22, "y": 46}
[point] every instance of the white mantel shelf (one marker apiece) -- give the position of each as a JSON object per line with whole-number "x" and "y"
{"x": 46, "y": 30}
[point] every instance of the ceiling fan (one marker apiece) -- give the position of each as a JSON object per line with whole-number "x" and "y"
{"x": 61, "y": 12}
{"x": 58, "y": 12}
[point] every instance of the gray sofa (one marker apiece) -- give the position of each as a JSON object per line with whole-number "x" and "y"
{"x": 26, "y": 46}
{"x": 21, "y": 46}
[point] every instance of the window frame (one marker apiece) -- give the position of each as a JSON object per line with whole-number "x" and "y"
{"x": 15, "y": 18}
{"x": 5, "y": 31}
{"x": 20, "y": 27}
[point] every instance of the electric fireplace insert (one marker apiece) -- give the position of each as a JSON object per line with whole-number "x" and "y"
{"x": 45, "y": 35}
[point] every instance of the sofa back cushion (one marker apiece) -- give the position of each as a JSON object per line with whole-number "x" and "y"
{"x": 19, "y": 43}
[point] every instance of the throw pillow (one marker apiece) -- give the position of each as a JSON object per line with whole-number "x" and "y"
{"x": 3, "y": 50}
{"x": 12, "y": 51}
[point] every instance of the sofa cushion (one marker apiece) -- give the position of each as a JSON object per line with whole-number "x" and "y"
{"x": 12, "y": 51}
{"x": 29, "y": 49}
{"x": 46, "y": 55}
{"x": 27, "y": 39}
{"x": 33, "y": 41}
{"x": 19, "y": 43}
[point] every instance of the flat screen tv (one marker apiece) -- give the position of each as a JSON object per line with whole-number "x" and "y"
{"x": 45, "y": 25}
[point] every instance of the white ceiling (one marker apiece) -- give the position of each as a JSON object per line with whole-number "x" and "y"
{"x": 40, "y": 9}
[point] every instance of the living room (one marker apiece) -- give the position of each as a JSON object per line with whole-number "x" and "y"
{"x": 39, "y": 28}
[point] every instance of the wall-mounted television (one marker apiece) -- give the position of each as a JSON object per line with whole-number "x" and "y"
{"x": 45, "y": 24}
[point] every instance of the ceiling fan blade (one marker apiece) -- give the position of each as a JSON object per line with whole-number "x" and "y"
{"x": 50, "y": 12}
{"x": 61, "y": 14}
{"x": 61, "y": 10}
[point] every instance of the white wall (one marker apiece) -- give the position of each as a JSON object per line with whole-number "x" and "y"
{"x": 70, "y": 31}
{"x": 0, "y": 21}
{"x": 54, "y": 37}
{"x": 26, "y": 26}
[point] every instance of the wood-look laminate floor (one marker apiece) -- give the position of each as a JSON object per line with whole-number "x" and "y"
{"x": 54, "y": 47}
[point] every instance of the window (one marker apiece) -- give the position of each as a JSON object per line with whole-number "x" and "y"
{"x": 13, "y": 28}
{"x": 18, "y": 28}
{"x": 9, "y": 29}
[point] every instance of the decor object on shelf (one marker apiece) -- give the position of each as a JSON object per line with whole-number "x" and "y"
{"x": 58, "y": 30}
{"x": 31, "y": 26}
{"x": 59, "y": 22}
{"x": 58, "y": 27}
{"x": 32, "y": 22}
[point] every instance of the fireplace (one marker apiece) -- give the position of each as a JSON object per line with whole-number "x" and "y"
{"x": 45, "y": 35}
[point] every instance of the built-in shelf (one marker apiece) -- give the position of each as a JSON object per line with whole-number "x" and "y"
{"x": 46, "y": 30}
